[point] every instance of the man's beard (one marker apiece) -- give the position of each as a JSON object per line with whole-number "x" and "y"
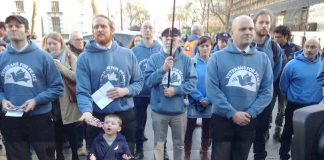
{"x": 104, "y": 41}
{"x": 262, "y": 33}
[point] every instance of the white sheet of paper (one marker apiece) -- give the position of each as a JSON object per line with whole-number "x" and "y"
{"x": 14, "y": 113}
{"x": 100, "y": 97}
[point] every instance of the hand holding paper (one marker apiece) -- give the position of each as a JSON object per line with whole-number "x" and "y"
{"x": 100, "y": 97}
{"x": 117, "y": 92}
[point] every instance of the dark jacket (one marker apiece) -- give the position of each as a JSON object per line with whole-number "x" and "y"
{"x": 115, "y": 151}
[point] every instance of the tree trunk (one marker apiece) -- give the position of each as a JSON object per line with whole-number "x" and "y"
{"x": 95, "y": 10}
{"x": 33, "y": 26}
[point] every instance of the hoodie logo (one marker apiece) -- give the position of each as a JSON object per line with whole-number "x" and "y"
{"x": 18, "y": 73}
{"x": 142, "y": 64}
{"x": 243, "y": 77}
{"x": 176, "y": 77}
{"x": 116, "y": 147}
{"x": 115, "y": 75}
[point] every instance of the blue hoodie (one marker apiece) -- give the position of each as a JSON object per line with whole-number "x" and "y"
{"x": 298, "y": 80}
{"x": 142, "y": 54}
{"x": 239, "y": 82}
{"x": 183, "y": 78}
{"x": 29, "y": 74}
{"x": 195, "y": 109}
{"x": 96, "y": 66}
{"x": 277, "y": 64}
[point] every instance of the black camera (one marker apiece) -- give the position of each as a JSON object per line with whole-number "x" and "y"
{"x": 308, "y": 139}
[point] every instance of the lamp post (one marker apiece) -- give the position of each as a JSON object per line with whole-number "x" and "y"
{"x": 121, "y": 15}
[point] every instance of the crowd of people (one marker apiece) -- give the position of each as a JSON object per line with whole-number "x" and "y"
{"x": 49, "y": 93}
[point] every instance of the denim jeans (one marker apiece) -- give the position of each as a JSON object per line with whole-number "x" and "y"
{"x": 160, "y": 124}
{"x": 141, "y": 104}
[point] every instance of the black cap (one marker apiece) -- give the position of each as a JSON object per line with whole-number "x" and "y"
{"x": 167, "y": 32}
{"x": 223, "y": 35}
{"x": 18, "y": 18}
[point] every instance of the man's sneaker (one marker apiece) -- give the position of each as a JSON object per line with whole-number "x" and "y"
{"x": 82, "y": 151}
{"x": 276, "y": 134}
{"x": 139, "y": 155}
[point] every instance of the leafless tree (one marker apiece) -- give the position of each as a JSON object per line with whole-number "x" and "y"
{"x": 136, "y": 13}
{"x": 222, "y": 10}
{"x": 183, "y": 14}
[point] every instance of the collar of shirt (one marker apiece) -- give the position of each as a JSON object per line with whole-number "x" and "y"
{"x": 102, "y": 47}
{"x": 246, "y": 50}
{"x": 26, "y": 45}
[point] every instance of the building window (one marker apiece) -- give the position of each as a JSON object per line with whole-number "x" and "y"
{"x": 20, "y": 6}
{"x": 55, "y": 6}
{"x": 56, "y": 24}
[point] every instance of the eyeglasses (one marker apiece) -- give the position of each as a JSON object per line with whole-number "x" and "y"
{"x": 147, "y": 27}
{"x": 78, "y": 39}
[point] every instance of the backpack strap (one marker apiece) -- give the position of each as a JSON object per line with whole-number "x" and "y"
{"x": 274, "y": 50}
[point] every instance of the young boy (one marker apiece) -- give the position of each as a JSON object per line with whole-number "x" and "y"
{"x": 111, "y": 144}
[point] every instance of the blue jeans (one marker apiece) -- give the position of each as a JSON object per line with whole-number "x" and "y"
{"x": 141, "y": 104}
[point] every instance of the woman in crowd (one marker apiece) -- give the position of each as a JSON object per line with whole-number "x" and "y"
{"x": 135, "y": 41}
{"x": 66, "y": 113}
{"x": 199, "y": 105}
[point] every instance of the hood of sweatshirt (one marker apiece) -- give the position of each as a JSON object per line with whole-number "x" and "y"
{"x": 299, "y": 55}
{"x": 30, "y": 48}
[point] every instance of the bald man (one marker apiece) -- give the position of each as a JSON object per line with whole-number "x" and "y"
{"x": 239, "y": 90}
{"x": 299, "y": 84}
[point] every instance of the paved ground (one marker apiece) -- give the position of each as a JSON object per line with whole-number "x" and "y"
{"x": 272, "y": 146}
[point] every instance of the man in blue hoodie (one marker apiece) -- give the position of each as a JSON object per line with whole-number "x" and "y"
{"x": 282, "y": 35}
{"x": 167, "y": 102}
{"x": 299, "y": 84}
{"x": 29, "y": 82}
{"x": 239, "y": 90}
{"x": 104, "y": 60}
{"x": 147, "y": 47}
{"x": 262, "y": 21}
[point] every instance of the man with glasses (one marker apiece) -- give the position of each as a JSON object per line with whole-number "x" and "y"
{"x": 146, "y": 47}
{"x": 76, "y": 43}
{"x": 167, "y": 101}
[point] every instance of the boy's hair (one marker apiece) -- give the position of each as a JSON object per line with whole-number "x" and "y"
{"x": 119, "y": 120}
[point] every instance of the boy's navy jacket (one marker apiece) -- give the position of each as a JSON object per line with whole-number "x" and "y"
{"x": 183, "y": 79}
{"x": 298, "y": 80}
{"x": 96, "y": 66}
{"x": 29, "y": 74}
{"x": 276, "y": 62}
{"x": 142, "y": 54}
{"x": 101, "y": 149}
{"x": 239, "y": 81}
